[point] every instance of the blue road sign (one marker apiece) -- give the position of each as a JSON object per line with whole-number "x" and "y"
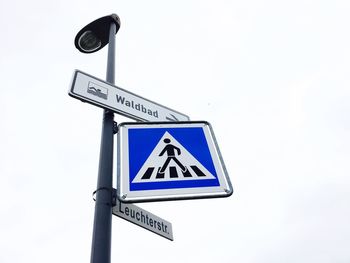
{"x": 169, "y": 160}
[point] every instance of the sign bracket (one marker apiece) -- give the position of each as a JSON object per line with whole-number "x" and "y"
{"x": 113, "y": 193}
{"x": 115, "y": 127}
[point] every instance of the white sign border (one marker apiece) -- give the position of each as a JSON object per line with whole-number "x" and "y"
{"x": 125, "y": 195}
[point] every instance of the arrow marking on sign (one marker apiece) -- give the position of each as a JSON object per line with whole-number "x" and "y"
{"x": 173, "y": 118}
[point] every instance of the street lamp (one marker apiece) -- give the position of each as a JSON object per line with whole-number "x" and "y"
{"x": 89, "y": 39}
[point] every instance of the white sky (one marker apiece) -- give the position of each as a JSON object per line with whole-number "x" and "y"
{"x": 272, "y": 77}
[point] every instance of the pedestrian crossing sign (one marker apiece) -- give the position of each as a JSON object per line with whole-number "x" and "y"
{"x": 169, "y": 161}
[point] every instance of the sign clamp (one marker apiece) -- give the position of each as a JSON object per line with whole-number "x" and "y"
{"x": 113, "y": 193}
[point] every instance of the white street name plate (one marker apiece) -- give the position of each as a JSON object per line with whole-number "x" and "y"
{"x": 103, "y": 94}
{"x": 143, "y": 218}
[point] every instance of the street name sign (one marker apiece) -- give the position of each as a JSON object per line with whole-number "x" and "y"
{"x": 143, "y": 218}
{"x": 169, "y": 161}
{"x": 105, "y": 95}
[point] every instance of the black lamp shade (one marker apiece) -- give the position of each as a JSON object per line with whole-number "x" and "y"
{"x": 95, "y": 35}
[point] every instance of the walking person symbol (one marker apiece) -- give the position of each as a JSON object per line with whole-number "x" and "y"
{"x": 169, "y": 149}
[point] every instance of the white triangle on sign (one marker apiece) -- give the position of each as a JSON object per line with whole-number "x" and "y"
{"x": 177, "y": 163}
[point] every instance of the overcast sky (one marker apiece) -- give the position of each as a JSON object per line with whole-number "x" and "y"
{"x": 272, "y": 77}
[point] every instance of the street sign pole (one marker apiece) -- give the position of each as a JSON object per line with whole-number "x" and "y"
{"x": 101, "y": 237}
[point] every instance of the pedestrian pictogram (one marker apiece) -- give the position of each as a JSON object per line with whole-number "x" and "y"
{"x": 169, "y": 160}
{"x": 169, "y": 149}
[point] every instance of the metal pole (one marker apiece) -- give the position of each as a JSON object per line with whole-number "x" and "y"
{"x": 101, "y": 236}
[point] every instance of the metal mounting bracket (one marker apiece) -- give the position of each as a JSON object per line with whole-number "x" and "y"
{"x": 113, "y": 193}
{"x": 115, "y": 127}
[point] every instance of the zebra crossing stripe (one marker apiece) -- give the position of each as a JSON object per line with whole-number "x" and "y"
{"x": 148, "y": 173}
{"x": 159, "y": 175}
{"x": 187, "y": 173}
{"x": 197, "y": 170}
{"x": 173, "y": 173}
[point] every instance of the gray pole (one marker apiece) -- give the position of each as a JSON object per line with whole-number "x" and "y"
{"x": 101, "y": 236}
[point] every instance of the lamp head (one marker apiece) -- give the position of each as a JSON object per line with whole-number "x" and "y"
{"x": 95, "y": 35}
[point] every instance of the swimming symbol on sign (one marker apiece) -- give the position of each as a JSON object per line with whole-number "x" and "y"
{"x": 169, "y": 149}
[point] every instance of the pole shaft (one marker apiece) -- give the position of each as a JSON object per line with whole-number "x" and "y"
{"x": 101, "y": 236}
